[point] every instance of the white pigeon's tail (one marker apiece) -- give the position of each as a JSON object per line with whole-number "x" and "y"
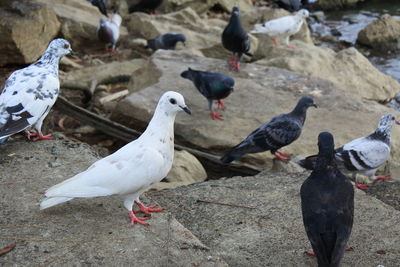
{"x": 52, "y": 201}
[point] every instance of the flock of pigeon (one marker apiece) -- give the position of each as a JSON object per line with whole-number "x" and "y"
{"x": 327, "y": 195}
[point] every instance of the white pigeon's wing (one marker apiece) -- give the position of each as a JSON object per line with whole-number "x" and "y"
{"x": 365, "y": 153}
{"x": 280, "y": 26}
{"x": 28, "y": 94}
{"x": 114, "y": 175}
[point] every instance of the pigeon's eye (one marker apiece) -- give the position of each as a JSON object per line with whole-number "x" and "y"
{"x": 393, "y": 118}
{"x": 66, "y": 46}
{"x": 172, "y": 101}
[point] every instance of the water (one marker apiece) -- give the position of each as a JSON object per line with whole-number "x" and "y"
{"x": 350, "y": 21}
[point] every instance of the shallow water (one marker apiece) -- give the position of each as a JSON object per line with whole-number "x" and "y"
{"x": 350, "y": 21}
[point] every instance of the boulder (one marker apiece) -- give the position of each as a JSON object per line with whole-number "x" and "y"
{"x": 335, "y": 4}
{"x": 19, "y": 21}
{"x": 79, "y": 20}
{"x": 261, "y": 93}
{"x": 203, "y": 6}
{"x": 186, "y": 169}
{"x": 348, "y": 69}
{"x": 382, "y": 34}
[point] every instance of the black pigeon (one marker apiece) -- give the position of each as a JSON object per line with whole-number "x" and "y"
{"x": 101, "y": 5}
{"x": 290, "y": 5}
{"x": 166, "y": 41}
{"x": 146, "y": 6}
{"x": 212, "y": 85}
{"x": 235, "y": 39}
{"x": 281, "y": 131}
{"x": 327, "y": 203}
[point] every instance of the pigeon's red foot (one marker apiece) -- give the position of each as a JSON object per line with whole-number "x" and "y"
{"x": 139, "y": 220}
{"x": 382, "y": 177}
{"x": 147, "y": 210}
{"x": 234, "y": 63}
{"x": 221, "y": 104}
{"x": 284, "y": 154}
{"x": 281, "y": 157}
{"x": 361, "y": 186}
{"x": 274, "y": 42}
{"x": 290, "y": 46}
{"x": 215, "y": 115}
{"x": 154, "y": 13}
{"x": 39, "y": 136}
{"x": 312, "y": 254}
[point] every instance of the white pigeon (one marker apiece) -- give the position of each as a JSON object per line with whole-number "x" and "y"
{"x": 29, "y": 93}
{"x": 366, "y": 154}
{"x": 131, "y": 170}
{"x": 108, "y": 30}
{"x": 282, "y": 27}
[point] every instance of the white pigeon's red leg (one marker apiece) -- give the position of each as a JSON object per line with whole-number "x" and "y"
{"x": 215, "y": 115}
{"x": 274, "y": 41}
{"x": 290, "y": 46}
{"x": 39, "y": 136}
{"x": 361, "y": 186}
{"x": 139, "y": 220}
{"x": 221, "y": 104}
{"x": 312, "y": 254}
{"x": 146, "y": 210}
{"x": 382, "y": 177}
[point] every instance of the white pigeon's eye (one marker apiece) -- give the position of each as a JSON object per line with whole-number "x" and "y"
{"x": 66, "y": 46}
{"x": 172, "y": 101}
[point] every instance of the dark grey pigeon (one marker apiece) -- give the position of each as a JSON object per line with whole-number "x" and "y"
{"x": 146, "y": 6}
{"x": 108, "y": 30}
{"x": 236, "y": 39}
{"x": 289, "y": 5}
{"x": 281, "y": 131}
{"x": 166, "y": 41}
{"x": 327, "y": 203}
{"x": 101, "y": 5}
{"x": 29, "y": 94}
{"x": 365, "y": 154}
{"x": 212, "y": 85}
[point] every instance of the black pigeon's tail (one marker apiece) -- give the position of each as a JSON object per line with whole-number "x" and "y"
{"x": 309, "y": 162}
{"x": 248, "y": 54}
{"x": 238, "y": 151}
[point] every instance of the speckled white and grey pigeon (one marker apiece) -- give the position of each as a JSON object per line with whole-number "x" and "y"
{"x": 29, "y": 94}
{"x": 132, "y": 169}
{"x": 283, "y": 27}
{"x": 281, "y": 131}
{"x": 108, "y": 30}
{"x": 363, "y": 155}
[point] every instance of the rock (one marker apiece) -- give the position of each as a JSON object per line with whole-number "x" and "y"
{"x": 335, "y": 4}
{"x": 19, "y": 21}
{"x": 203, "y": 6}
{"x": 84, "y": 231}
{"x": 348, "y": 69}
{"x": 79, "y": 21}
{"x": 186, "y": 169}
{"x": 273, "y": 234}
{"x": 104, "y": 72}
{"x": 382, "y": 34}
{"x": 260, "y": 93}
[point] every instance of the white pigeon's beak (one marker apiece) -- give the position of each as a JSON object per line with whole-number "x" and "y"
{"x": 187, "y": 110}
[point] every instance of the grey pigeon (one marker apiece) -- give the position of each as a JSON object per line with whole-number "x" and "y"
{"x": 166, "y": 41}
{"x": 101, "y": 5}
{"x": 29, "y": 93}
{"x": 108, "y": 30}
{"x": 327, "y": 204}
{"x": 132, "y": 169}
{"x": 289, "y": 5}
{"x": 365, "y": 154}
{"x": 212, "y": 85}
{"x": 281, "y": 131}
{"x": 146, "y": 6}
{"x": 236, "y": 39}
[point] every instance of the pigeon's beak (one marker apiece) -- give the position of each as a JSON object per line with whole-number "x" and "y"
{"x": 314, "y": 105}
{"x": 186, "y": 109}
{"x": 184, "y": 43}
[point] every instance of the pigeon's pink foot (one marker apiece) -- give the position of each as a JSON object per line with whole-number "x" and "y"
{"x": 234, "y": 63}
{"x": 361, "y": 186}
{"x": 139, "y": 220}
{"x": 215, "y": 115}
{"x": 284, "y": 154}
{"x": 221, "y": 104}
{"x": 39, "y": 136}
{"x": 382, "y": 177}
{"x": 154, "y": 13}
{"x": 312, "y": 254}
{"x": 281, "y": 157}
{"x": 290, "y": 46}
{"x": 147, "y": 210}
{"x": 274, "y": 42}
{"x": 236, "y": 66}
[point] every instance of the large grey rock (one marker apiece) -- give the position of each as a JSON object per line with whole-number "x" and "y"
{"x": 204, "y": 5}
{"x": 84, "y": 231}
{"x": 382, "y": 34}
{"x": 260, "y": 94}
{"x": 335, "y": 4}
{"x": 19, "y": 22}
{"x": 348, "y": 69}
{"x": 273, "y": 234}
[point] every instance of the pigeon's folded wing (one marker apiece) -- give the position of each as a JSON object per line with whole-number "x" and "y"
{"x": 114, "y": 175}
